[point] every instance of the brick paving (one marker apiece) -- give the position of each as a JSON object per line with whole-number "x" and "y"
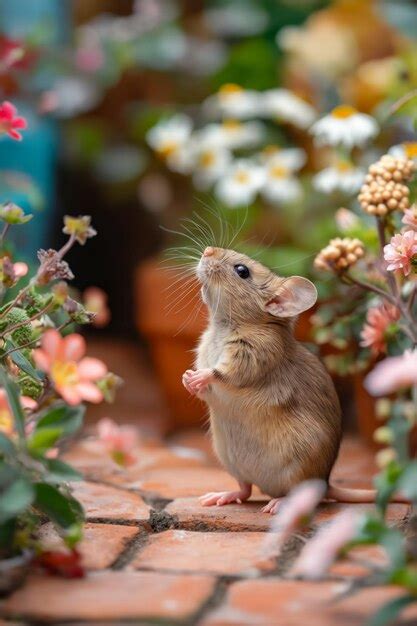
{"x": 154, "y": 555}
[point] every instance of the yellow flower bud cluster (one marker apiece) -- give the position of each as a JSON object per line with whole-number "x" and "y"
{"x": 384, "y": 189}
{"x": 340, "y": 254}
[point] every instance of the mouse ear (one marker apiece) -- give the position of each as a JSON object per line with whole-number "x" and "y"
{"x": 294, "y": 295}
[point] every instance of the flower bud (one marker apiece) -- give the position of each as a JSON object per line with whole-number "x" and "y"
{"x": 385, "y": 457}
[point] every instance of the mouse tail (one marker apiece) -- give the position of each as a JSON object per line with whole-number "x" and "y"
{"x": 352, "y": 495}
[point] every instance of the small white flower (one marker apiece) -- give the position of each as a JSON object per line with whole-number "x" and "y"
{"x": 280, "y": 185}
{"x": 169, "y": 138}
{"x": 233, "y": 134}
{"x": 291, "y": 159}
{"x": 233, "y": 101}
{"x": 210, "y": 163}
{"x": 345, "y": 126}
{"x": 340, "y": 177}
{"x": 284, "y": 106}
{"x": 241, "y": 183}
{"x": 405, "y": 150}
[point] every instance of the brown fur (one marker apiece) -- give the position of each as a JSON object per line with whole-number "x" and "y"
{"x": 274, "y": 413}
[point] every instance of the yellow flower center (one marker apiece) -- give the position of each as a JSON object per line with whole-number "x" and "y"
{"x": 242, "y": 177}
{"x": 271, "y": 149}
{"x": 410, "y": 148}
{"x": 231, "y": 125}
{"x": 6, "y": 422}
{"x": 167, "y": 149}
{"x": 343, "y": 166}
{"x": 207, "y": 158}
{"x": 343, "y": 111}
{"x": 64, "y": 373}
{"x": 278, "y": 171}
{"x": 229, "y": 89}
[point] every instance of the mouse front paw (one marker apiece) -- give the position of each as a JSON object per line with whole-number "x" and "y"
{"x": 197, "y": 381}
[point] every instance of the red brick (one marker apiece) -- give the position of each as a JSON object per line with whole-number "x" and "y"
{"x": 182, "y": 482}
{"x": 395, "y": 513}
{"x": 293, "y": 603}
{"x": 102, "y": 502}
{"x": 191, "y": 515}
{"x": 217, "y": 552}
{"x": 88, "y": 457}
{"x": 195, "y": 439}
{"x": 360, "y": 561}
{"x": 100, "y": 546}
{"x": 108, "y": 595}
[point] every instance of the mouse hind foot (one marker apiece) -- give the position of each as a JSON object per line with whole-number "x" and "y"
{"x": 272, "y": 506}
{"x": 220, "y": 498}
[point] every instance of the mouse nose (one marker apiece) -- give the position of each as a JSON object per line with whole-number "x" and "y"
{"x": 209, "y": 251}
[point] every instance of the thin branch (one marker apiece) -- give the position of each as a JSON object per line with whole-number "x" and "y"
{"x": 401, "y": 102}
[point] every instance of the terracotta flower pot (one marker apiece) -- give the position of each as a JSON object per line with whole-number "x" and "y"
{"x": 367, "y": 421}
{"x": 169, "y": 317}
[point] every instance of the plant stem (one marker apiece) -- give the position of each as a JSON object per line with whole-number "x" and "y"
{"x": 4, "y": 233}
{"x": 29, "y": 344}
{"x": 398, "y": 104}
{"x": 370, "y": 287}
{"x": 11, "y": 329}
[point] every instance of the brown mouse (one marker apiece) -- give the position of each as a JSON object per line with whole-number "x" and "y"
{"x": 274, "y": 413}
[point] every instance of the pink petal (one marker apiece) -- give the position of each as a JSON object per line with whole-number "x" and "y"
{"x": 70, "y": 394}
{"x": 19, "y": 122}
{"x": 89, "y": 392}
{"x": 42, "y": 360}
{"x": 91, "y": 369}
{"x": 28, "y": 403}
{"x": 20, "y": 269}
{"x": 14, "y": 134}
{"x": 73, "y": 347}
{"x": 3, "y": 400}
{"x": 7, "y": 110}
{"x": 52, "y": 344}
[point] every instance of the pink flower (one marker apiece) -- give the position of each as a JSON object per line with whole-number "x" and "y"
{"x": 378, "y": 320}
{"x": 400, "y": 252}
{"x": 295, "y": 512}
{"x": 119, "y": 441}
{"x": 392, "y": 374}
{"x": 410, "y": 217}
{"x": 10, "y": 123}
{"x": 72, "y": 374}
{"x": 95, "y": 300}
{"x": 320, "y": 552}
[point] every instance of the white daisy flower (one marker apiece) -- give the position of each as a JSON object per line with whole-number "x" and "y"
{"x": 292, "y": 159}
{"x": 170, "y": 139}
{"x": 280, "y": 185}
{"x": 339, "y": 177}
{"x": 210, "y": 162}
{"x": 345, "y": 126}
{"x": 405, "y": 150}
{"x": 233, "y": 134}
{"x": 234, "y": 102}
{"x": 284, "y": 106}
{"x": 241, "y": 183}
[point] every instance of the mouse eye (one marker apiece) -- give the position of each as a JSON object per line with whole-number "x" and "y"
{"x": 242, "y": 271}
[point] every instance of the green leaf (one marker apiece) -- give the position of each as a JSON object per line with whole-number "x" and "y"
{"x": 408, "y": 482}
{"x": 63, "y": 510}
{"x": 6, "y": 445}
{"x": 15, "y": 499}
{"x": 42, "y": 439}
{"x": 58, "y": 471}
{"x": 68, "y": 418}
{"x": 389, "y": 612}
{"x": 22, "y": 362}
{"x": 13, "y": 396}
